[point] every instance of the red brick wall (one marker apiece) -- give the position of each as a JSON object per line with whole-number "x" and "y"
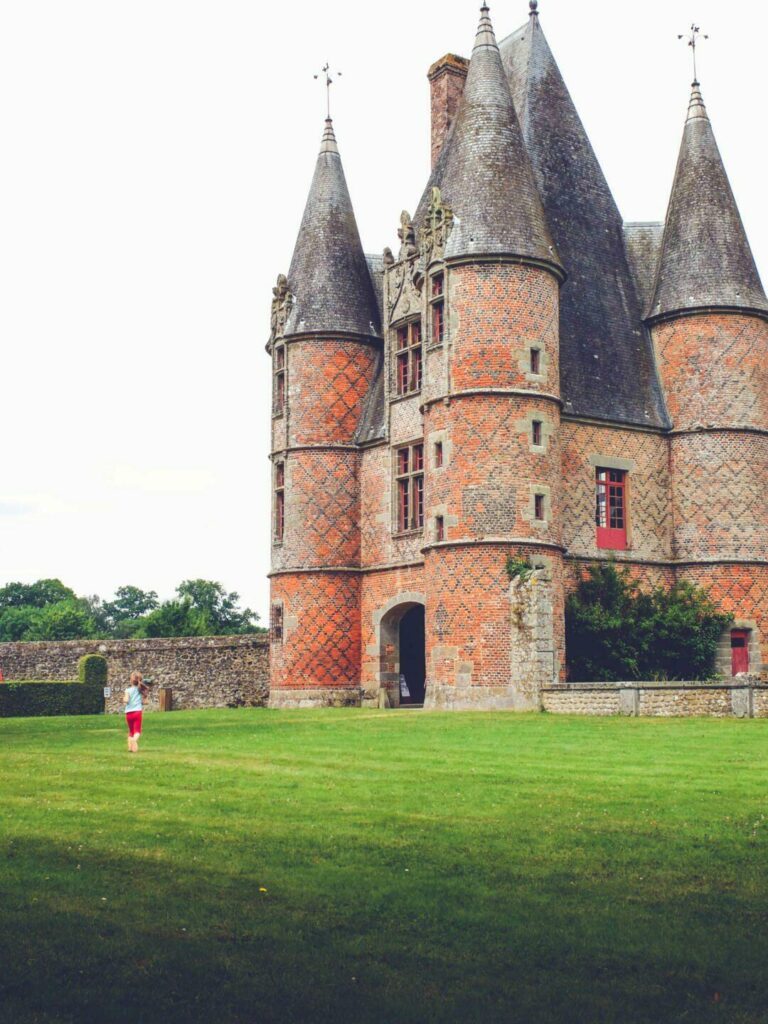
{"x": 714, "y": 368}
{"x": 447, "y": 78}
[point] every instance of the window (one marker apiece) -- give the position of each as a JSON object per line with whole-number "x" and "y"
{"x": 538, "y": 507}
{"x": 279, "y": 389}
{"x": 437, "y": 300}
{"x": 409, "y": 474}
{"x": 536, "y": 432}
{"x": 440, "y": 528}
{"x": 611, "y": 508}
{"x": 408, "y": 358}
{"x": 276, "y": 623}
{"x": 438, "y": 454}
{"x": 279, "y": 500}
{"x": 535, "y": 360}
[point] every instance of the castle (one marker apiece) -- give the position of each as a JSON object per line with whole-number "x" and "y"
{"x": 528, "y": 380}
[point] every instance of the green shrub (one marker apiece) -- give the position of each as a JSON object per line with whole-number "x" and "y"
{"x": 518, "y": 568}
{"x": 92, "y": 670}
{"x": 614, "y": 631}
{"x": 38, "y": 699}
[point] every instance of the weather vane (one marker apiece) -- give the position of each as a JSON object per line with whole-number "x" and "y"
{"x": 693, "y": 41}
{"x": 329, "y": 80}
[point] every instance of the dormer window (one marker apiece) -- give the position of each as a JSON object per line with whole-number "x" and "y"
{"x": 408, "y": 361}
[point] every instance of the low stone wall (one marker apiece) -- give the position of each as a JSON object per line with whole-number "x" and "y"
{"x": 203, "y": 672}
{"x": 742, "y": 699}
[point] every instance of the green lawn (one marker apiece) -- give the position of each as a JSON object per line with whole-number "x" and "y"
{"x": 417, "y": 867}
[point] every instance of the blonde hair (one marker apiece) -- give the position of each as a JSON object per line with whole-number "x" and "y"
{"x": 137, "y": 679}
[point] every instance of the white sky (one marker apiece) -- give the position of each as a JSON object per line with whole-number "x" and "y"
{"x": 156, "y": 156}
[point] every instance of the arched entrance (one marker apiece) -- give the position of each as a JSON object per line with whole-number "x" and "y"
{"x": 402, "y": 651}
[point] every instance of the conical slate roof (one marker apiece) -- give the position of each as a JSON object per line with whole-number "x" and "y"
{"x": 607, "y": 365}
{"x": 705, "y": 259}
{"x": 484, "y": 172}
{"x": 329, "y": 277}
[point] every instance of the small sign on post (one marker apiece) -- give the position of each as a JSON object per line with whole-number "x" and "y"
{"x": 107, "y": 691}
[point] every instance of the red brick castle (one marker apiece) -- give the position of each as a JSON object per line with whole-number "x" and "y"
{"x": 527, "y": 380}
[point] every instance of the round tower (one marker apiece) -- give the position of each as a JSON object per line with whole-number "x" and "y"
{"x": 325, "y": 345}
{"x": 491, "y": 430}
{"x": 708, "y": 318}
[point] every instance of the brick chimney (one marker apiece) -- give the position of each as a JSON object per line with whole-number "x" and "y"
{"x": 447, "y": 77}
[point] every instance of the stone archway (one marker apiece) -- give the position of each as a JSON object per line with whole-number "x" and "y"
{"x": 402, "y": 649}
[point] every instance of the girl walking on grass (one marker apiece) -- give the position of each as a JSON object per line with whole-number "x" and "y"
{"x": 134, "y": 705}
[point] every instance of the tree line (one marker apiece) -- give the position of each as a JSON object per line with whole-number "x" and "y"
{"x": 49, "y": 610}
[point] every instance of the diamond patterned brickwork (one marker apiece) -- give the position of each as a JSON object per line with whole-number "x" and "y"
{"x": 741, "y": 591}
{"x": 322, "y": 518}
{"x": 327, "y": 385}
{"x": 498, "y": 313}
{"x": 379, "y": 546}
{"x": 720, "y": 485}
{"x": 715, "y": 370}
{"x": 321, "y": 643}
{"x": 470, "y": 620}
{"x": 487, "y": 486}
{"x": 649, "y": 496}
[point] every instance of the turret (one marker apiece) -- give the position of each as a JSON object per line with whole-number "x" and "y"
{"x": 325, "y": 345}
{"x": 709, "y": 317}
{"x": 492, "y": 401}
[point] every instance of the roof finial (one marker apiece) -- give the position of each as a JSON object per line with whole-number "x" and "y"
{"x": 534, "y": 5}
{"x": 693, "y": 41}
{"x": 485, "y": 35}
{"x": 329, "y": 80}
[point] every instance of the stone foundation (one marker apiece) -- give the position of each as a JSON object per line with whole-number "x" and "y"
{"x": 316, "y": 697}
{"x": 748, "y": 699}
{"x": 477, "y": 698}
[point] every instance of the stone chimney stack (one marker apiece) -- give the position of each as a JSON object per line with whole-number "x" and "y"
{"x": 446, "y": 77}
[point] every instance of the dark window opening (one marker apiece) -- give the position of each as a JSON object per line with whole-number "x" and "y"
{"x": 611, "y": 509}
{"x": 538, "y": 507}
{"x": 440, "y": 528}
{"x": 438, "y": 454}
{"x": 409, "y": 478}
{"x": 276, "y": 623}
{"x": 535, "y": 360}
{"x": 536, "y": 432}
{"x": 279, "y": 501}
{"x": 279, "y": 389}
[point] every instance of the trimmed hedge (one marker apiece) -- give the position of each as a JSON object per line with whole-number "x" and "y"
{"x": 35, "y": 700}
{"x": 92, "y": 670}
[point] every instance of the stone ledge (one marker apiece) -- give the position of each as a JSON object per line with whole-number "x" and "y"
{"x": 316, "y": 697}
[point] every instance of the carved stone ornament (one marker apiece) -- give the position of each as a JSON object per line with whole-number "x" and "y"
{"x": 407, "y": 236}
{"x": 282, "y": 304}
{"x": 436, "y": 229}
{"x": 405, "y": 278}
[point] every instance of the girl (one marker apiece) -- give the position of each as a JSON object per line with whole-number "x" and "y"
{"x": 134, "y": 705}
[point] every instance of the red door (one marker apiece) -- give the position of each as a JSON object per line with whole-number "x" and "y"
{"x": 739, "y": 651}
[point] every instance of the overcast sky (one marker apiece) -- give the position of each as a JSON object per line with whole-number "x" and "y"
{"x": 156, "y": 156}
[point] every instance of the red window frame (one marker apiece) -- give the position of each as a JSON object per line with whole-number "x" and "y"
{"x": 611, "y": 508}
{"x": 279, "y": 391}
{"x": 437, "y": 299}
{"x": 409, "y": 484}
{"x": 279, "y": 501}
{"x": 408, "y": 358}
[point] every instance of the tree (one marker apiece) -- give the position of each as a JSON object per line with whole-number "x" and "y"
{"x": 614, "y": 631}
{"x": 172, "y": 618}
{"x": 34, "y": 595}
{"x": 219, "y": 609}
{"x": 129, "y": 603}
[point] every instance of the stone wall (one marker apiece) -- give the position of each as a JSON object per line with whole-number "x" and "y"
{"x": 747, "y": 699}
{"x": 203, "y": 672}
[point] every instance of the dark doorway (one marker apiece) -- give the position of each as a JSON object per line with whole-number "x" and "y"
{"x": 413, "y": 662}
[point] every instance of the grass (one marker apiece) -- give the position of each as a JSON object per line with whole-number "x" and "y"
{"x": 418, "y": 867}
